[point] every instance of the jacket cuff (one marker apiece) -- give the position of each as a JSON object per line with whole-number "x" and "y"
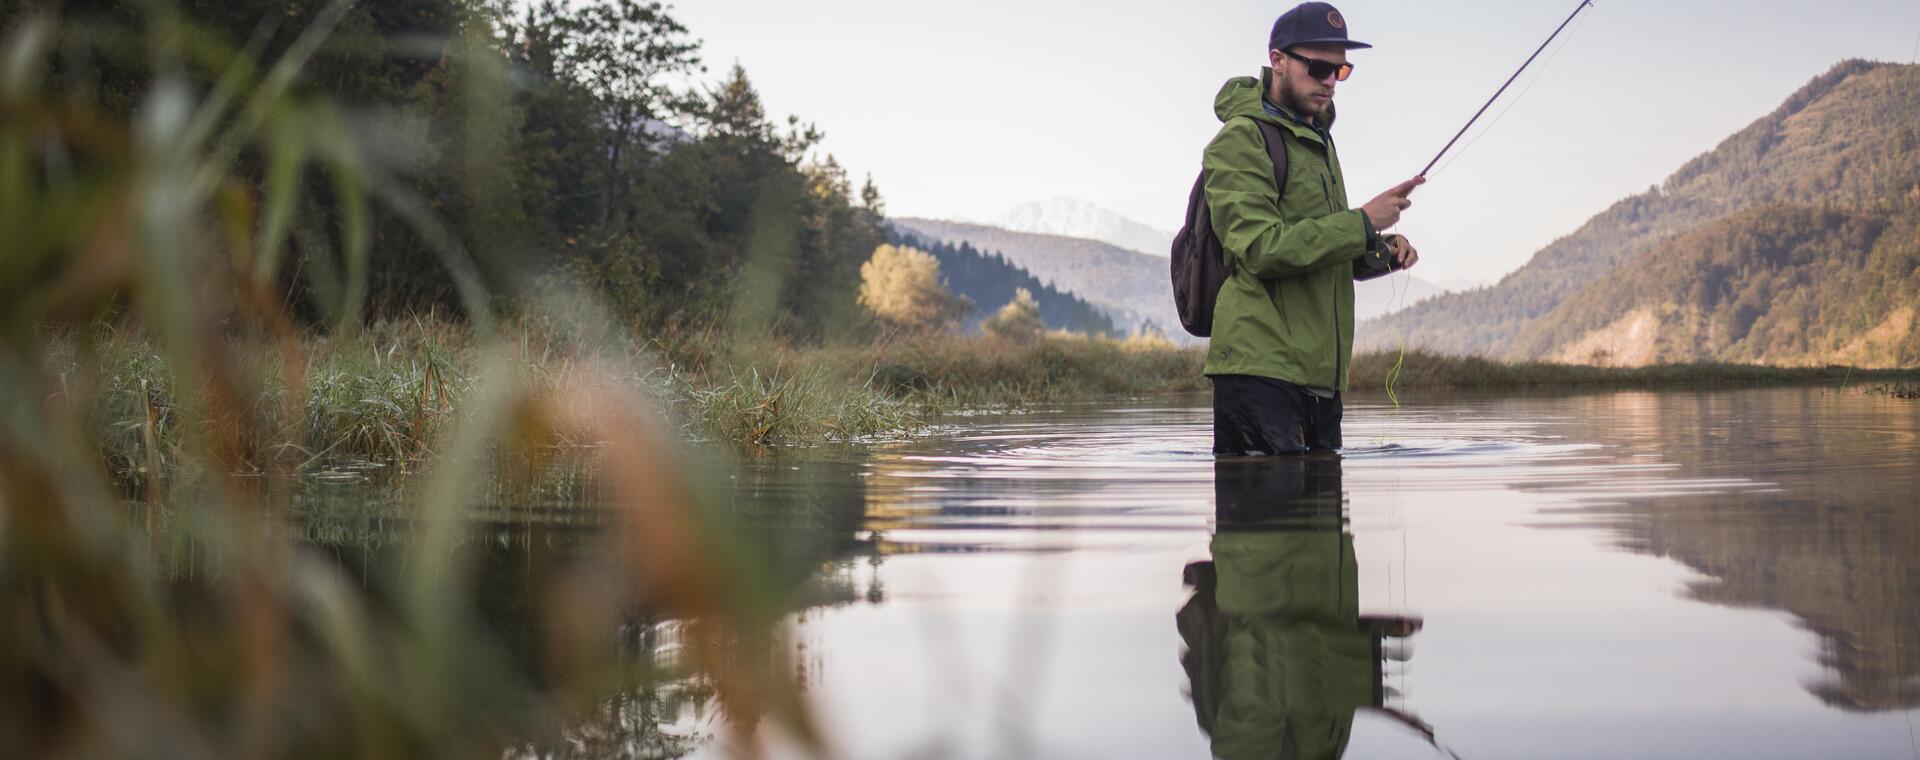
{"x": 1374, "y": 242}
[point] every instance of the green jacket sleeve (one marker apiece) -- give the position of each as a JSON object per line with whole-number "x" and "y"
{"x": 1244, "y": 204}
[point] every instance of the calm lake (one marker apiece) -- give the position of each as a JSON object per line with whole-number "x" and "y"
{"x": 1672, "y": 574}
{"x": 1633, "y": 574}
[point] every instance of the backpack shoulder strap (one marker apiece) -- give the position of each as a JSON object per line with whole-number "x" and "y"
{"x": 1277, "y": 152}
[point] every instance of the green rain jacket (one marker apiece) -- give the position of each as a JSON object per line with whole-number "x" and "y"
{"x": 1297, "y": 664}
{"x": 1287, "y": 311}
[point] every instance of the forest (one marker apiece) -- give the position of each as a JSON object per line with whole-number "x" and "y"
{"x": 465, "y": 155}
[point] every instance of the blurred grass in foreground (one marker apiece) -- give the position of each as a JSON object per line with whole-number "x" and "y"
{"x": 116, "y": 641}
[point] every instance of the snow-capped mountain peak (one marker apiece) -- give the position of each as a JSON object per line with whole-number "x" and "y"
{"x": 1073, "y": 217}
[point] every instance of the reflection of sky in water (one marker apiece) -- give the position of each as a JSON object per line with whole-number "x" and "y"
{"x": 1026, "y": 570}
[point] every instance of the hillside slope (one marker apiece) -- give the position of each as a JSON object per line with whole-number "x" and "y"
{"x": 1783, "y": 285}
{"x": 1849, "y": 137}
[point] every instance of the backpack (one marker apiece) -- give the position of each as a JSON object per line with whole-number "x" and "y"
{"x": 1199, "y": 266}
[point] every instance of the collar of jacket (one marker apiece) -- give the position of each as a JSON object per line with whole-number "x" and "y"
{"x": 1246, "y": 96}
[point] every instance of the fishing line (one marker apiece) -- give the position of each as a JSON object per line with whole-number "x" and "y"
{"x": 1503, "y": 88}
{"x": 1537, "y": 75}
{"x": 1400, "y": 284}
{"x": 1910, "y": 741}
{"x": 1400, "y": 361}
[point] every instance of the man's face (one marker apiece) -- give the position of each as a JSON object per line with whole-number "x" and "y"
{"x": 1299, "y": 91}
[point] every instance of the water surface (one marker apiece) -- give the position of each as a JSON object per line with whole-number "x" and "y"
{"x": 1633, "y": 574}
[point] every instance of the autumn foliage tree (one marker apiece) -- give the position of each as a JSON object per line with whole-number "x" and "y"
{"x": 1018, "y": 320}
{"x": 902, "y": 286}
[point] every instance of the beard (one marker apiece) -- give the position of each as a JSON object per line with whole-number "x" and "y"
{"x": 1300, "y": 100}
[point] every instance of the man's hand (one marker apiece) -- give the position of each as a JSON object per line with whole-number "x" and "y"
{"x": 1402, "y": 251}
{"x": 1384, "y": 210}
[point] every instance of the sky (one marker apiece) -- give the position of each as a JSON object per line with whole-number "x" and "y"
{"x": 965, "y": 109}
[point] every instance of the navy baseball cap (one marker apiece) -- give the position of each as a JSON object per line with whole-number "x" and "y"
{"x": 1309, "y": 23}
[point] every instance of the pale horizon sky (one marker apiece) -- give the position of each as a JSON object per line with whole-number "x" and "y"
{"x": 963, "y": 110}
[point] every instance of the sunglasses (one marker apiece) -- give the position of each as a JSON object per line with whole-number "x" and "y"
{"x": 1318, "y": 69}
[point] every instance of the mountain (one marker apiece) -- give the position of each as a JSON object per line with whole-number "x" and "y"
{"x": 1130, "y": 287}
{"x": 1847, "y": 139}
{"x": 1378, "y": 298}
{"x": 990, "y": 281}
{"x": 1071, "y": 217}
{"x": 1783, "y": 284}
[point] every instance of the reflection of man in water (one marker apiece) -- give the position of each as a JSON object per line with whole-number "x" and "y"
{"x": 1278, "y": 656}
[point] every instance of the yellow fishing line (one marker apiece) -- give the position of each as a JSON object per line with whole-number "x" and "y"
{"x": 1401, "y": 284}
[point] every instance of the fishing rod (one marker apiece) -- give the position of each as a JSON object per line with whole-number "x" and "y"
{"x": 1503, "y": 88}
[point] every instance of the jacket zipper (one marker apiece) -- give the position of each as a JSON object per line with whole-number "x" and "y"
{"x": 1327, "y": 190}
{"x": 1324, "y": 180}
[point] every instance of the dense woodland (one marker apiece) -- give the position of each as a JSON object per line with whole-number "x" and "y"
{"x": 1846, "y": 146}
{"x": 579, "y": 142}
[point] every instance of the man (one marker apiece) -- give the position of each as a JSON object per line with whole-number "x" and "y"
{"x": 1279, "y": 658}
{"x": 1283, "y": 324}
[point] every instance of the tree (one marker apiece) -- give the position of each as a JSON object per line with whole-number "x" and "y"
{"x": 1018, "y": 320}
{"x": 903, "y": 286}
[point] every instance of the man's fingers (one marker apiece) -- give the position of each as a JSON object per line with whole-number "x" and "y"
{"x": 1406, "y": 187}
{"x": 1408, "y": 254}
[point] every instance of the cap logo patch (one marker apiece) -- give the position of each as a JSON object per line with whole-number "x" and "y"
{"x": 1333, "y": 17}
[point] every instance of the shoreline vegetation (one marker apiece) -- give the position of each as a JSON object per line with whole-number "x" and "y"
{"x": 391, "y": 392}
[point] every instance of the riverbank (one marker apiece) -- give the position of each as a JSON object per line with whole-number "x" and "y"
{"x": 394, "y": 390}
{"x": 1422, "y": 369}
{"x": 391, "y": 392}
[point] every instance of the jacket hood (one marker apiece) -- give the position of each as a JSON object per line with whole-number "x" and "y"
{"x": 1242, "y": 96}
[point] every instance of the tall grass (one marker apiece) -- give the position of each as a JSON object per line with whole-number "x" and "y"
{"x": 391, "y": 392}
{"x": 190, "y": 620}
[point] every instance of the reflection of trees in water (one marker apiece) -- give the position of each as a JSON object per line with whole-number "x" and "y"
{"x": 810, "y": 514}
{"x": 533, "y": 526}
{"x": 1838, "y": 544}
{"x": 1279, "y": 658}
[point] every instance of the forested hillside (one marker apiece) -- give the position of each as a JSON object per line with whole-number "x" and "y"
{"x": 1782, "y": 284}
{"x": 990, "y": 282}
{"x": 506, "y": 145}
{"x": 1850, "y": 138}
